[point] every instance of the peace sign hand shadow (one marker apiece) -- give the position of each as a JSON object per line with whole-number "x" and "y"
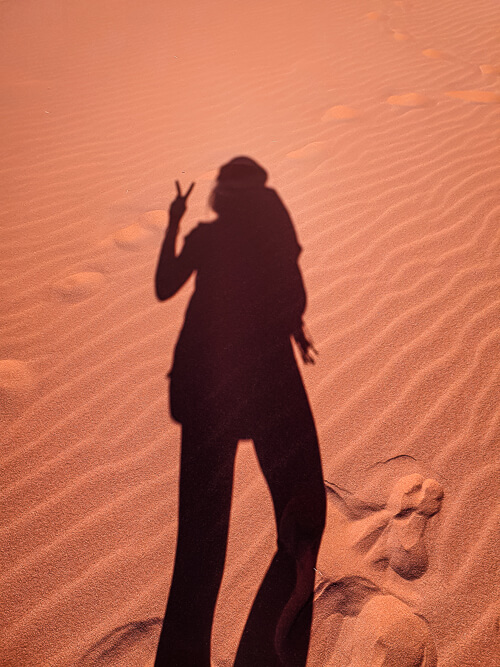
{"x": 178, "y": 206}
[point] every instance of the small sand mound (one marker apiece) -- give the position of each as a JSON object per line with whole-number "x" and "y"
{"x": 401, "y": 36}
{"x": 307, "y": 151}
{"x": 79, "y": 286}
{"x": 476, "y": 96}
{"x": 130, "y": 237}
{"x": 434, "y": 54}
{"x": 15, "y": 376}
{"x": 376, "y": 16}
{"x": 410, "y": 100}
{"x": 340, "y": 113}
{"x": 155, "y": 220}
{"x": 490, "y": 69}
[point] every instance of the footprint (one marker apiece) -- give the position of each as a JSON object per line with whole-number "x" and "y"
{"x": 379, "y": 537}
{"x": 336, "y": 604}
{"x": 308, "y": 151}
{"x": 475, "y": 96}
{"x": 78, "y": 286}
{"x": 414, "y": 493}
{"x": 154, "y": 220}
{"x": 435, "y": 54}
{"x": 131, "y": 237}
{"x": 377, "y": 16}
{"x": 490, "y": 69}
{"x": 388, "y": 633}
{"x": 362, "y": 626}
{"x": 401, "y": 36}
{"x": 126, "y": 644}
{"x": 412, "y": 503}
{"x": 341, "y": 113}
{"x": 16, "y": 377}
{"x": 413, "y": 100}
{"x": 356, "y": 618}
{"x": 346, "y": 595}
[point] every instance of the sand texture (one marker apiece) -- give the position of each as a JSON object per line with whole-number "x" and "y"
{"x": 379, "y": 123}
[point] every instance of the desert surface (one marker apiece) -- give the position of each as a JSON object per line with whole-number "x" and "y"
{"x": 379, "y": 124}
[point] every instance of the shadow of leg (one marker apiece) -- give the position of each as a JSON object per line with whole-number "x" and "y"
{"x": 205, "y": 488}
{"x": 257, "y": 642}
{"x": 278, "y": 628}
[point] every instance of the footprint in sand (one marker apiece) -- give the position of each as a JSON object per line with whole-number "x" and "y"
{"x": 341, "y": 112}
{"x": 155, "y": 220}
{"x": 356, "y": 624}
{"x": 135, "y": 235}
{"x": 131, "y": 237}
{"x": 354, "y": 616}
{"x": 17, "y": 384}
{"x": 410, "y": 100}
{"x": 411, "y": 504}
{"x": 308, "y": 151}
{"x": 78, "y": 286}
{"x": 16, "y": 378}
{"x": 377, "y": 16}
{"x": 475, "y": 96}
{"x": 388, "y": 634}
{"x": 392, "y": 536}
{"x": 490, "y": 69}
{"x": 435, "y": 54}
{"x": 125, "y": 645}
{"x": 401, "y": 36}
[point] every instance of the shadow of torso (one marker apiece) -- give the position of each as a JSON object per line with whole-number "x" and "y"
{"x": 234, "y": 360}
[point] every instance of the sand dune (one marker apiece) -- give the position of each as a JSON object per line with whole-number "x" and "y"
{"x": 379, "y": 124}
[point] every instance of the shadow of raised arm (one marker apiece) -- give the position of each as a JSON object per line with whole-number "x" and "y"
{"x": 172, "y": 272}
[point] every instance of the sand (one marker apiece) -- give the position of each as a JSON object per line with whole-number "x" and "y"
{"x": 379, "y": 123}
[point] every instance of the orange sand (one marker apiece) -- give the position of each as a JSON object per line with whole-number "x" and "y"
{"x": 379, "y": 123}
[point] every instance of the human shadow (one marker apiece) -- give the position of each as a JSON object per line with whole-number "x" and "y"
{"x": 234, "y": 376}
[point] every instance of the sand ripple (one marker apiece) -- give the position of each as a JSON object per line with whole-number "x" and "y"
{"x": 379, "y": 127}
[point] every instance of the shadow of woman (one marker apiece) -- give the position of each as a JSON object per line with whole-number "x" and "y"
{"x": 234, "y": 376}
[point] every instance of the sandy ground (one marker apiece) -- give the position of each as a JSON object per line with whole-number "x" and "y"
{"x": 379, "y": 123}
